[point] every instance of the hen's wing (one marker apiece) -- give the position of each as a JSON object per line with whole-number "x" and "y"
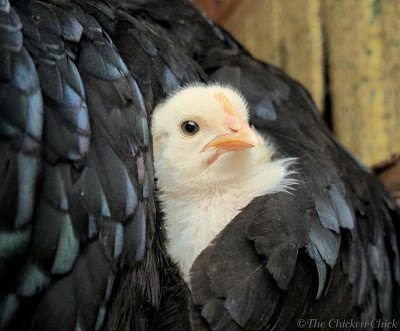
{"x": 78, "y": 229}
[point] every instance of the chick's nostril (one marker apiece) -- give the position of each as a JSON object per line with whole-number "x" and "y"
{"x": 233, "y": 122}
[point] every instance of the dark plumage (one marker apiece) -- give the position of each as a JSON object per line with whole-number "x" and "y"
{"x": 81, "y": 246}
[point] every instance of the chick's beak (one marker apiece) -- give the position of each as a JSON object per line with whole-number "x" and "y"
{"x": 239, "y": 135}
{"x": 239, "y": 139}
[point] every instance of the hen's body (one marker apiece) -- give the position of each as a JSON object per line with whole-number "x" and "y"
{"x": 81, "y": 248}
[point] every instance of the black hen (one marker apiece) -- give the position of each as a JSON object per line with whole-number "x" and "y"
{"x": 81, "y": 247}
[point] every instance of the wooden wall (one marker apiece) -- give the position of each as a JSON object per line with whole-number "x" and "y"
{"x": 346, "y": 52}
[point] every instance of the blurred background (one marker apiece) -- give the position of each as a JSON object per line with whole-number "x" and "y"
{"x": 347, "y": 54}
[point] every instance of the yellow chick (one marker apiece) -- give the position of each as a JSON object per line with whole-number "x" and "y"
{"x": 209, "y": 164}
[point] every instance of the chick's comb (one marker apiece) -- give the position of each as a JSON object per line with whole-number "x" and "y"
{"x": 220, "y": 96}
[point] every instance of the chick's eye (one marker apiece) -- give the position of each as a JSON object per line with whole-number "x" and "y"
{"x": 190, "y": 128}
